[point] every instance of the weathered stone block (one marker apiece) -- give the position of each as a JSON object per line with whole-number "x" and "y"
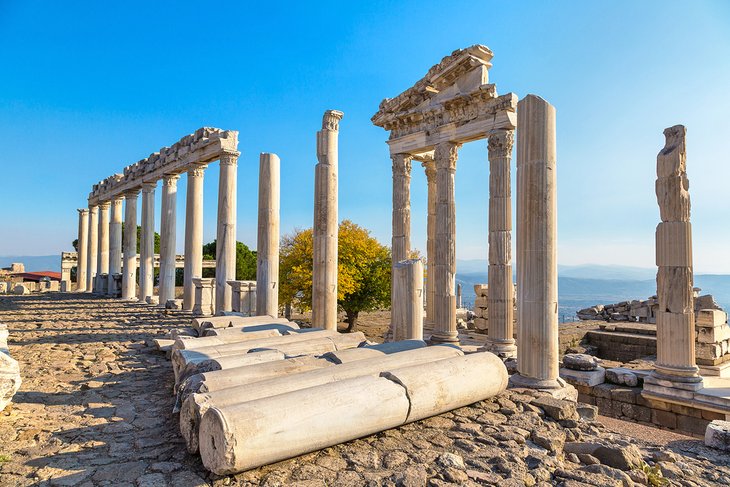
{"x": 584, "y": 377}
{"x": 711, "y": 317}
{"x": 622, "y": 376}
{"x": 580, "y": 361}
{"x": 481, "y": 290}
{"x": 557, "y": 409}
{"x": 672, "y": 193}
{"x": 624, "y": 394}
{"x": 714, "y": 334}
{"x": 691, "y": 424}
{"x": 717, "y": 435}
{"x": 664, "y": 418}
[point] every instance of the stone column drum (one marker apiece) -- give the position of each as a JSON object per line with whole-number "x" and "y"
{"x": 83, "y": 250}
{"x": 102, "y": 262}
{"x": 147, "y": 244}
{"x": 401, "y": 218}
{"x": 324, "y": 272}
{"x": 501, "y": 291}
{"x": 129, "y": 265}
{"x": 225, "y": 250}
{"x": 430, "y": 167}
{"x": 93, "y": 247}
{"x": 537, "y": 271}
{"x": 115, "y": 242}
{"x": 168, "y": 221}
{"x": 193, "y": 234}
{"x": 407, "y": 305}
{"x": 267, "y": 247}
{"x": 444, "y": 269}
{"x": 676, "y": 373}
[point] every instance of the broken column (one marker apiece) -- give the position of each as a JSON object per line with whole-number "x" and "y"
{"x": 407, "y": 302}
{"x": 193, "y": 234}
{"x": 537, "y": 276}
{"x": 204, "y": 296}
{"x": 115, "y": 245}
{"x": 168, "y": 220}
{"x": 676, "y": 373}
{"x": 267, "y": 247}
{"x": 444, "y": 269}
{"x": 129, "y": 266}
{"x": 500, "y": 338}
{"x": 147, "y": 244}
{"x": 225, "y": 248}
{"x": 243, "y": 297}
{"x": 430, "y": 168}
{"x": 93, "y": 247}
{"x": 83, "y": 249}
{"x": 324, "y": 271}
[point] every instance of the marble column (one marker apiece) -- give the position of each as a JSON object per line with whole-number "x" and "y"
{"x": 115, "y": 242}
{"x": 430, "y": 167}
{"x": 193, "y": 234}
{"x": 83, "y": 250}
{"x": 267, "y": 246}
{"x": 325, "y": 231}
{"x": 407, "y": 306}
{"x": 537, "y": 266}
{"x": 102, "y": 263}
{"x": 147, "y": 243}
{"x": 168, "y": 220}
{"x": 675, "y": 374}
{"x": 444, "y": 330}
{"x": 225, "y": 249}
{"x": 500, "y": 339}
{"x": 92, "y": 248}
{"x": 401, "y": 221}
{"x": 129, "y": 264}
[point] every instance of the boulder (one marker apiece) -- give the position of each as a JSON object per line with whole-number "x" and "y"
{"x": 557, "y": 409}
{"x": 717, "y": 435}
{"x": 622, "y": 376}
{"x": 620, "y": 457}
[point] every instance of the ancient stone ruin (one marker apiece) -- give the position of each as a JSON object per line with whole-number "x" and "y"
{"x": 9, "y": 371}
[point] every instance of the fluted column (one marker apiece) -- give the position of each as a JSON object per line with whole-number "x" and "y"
{"x": 430, "y": 168}
{"x": 325, "y": 230}
{"x": 193, "y": 234}
{"x": 129, "y": 264}
{"x": 501, "y": 291}
{"x": 225, "y": 249}
{"x": 168, "y": 219}
{"x": 92, "y": 248}
{"x": 83, "y": 250}
{"x": 537, "y": 265}
{"x": 147, "y": 244}
{"x": 115, "y": 242}
{"x": 401, "y": 222}
{"x": 445, "y": 156}
{"x": 267, "y": 247}
{"x": 102, "y": 263}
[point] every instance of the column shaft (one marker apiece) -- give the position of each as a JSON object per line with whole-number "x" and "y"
{"x": 325, "y": 230}
{"x": 225, "y": 249}
{"x": 267, "y": 247}
{"x": 129, "y": 264}
{"x": 102, "y": 264}
{"x": 83, "y": 250}
{"x": 92, "y": 248}
{"x": 115, "y": 242}
{"x": 401, "y": 222}
{"x": 430, "y": 168}
{"x": 168, "y": 221}
{"x": 193, "y": 234}
{"x": 407, "y": 306}
{"x": 147, "y": 244}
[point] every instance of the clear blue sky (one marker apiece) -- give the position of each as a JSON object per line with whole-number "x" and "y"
{"x": 89, "y": 87}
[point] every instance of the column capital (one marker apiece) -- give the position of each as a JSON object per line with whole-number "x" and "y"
{"x": 446, "y": 154}
{"x": 149, "y": 187}
{"x": 197, "y": 170}
{"x": 500, "y": 143}
{"x": 170, "y": 180}
{"x": 93, "y": 208}
{"x": 83, "y": 211}
{"x": 131, "y": 193}
{"x": 117, "y": 200}
{"x": 105, "y": 205}
{"x": 430, "y": 168}
{"x": 331, "y": 120}
{"x": 401, "y": 164}
{"x": 229, "y": 158}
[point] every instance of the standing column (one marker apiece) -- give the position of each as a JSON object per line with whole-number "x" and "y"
{"x": 675, "y": 366}
{"x": 430, "y": 167}
{"x": 267, "y": 247}
{"x": 129, "y": 264}
{"x": 445, "y": 263}
{"x": 537, "y": 266}
{"x": 501, "y": 291}
{"x": 324, "y": 271}
{"x": 115, "y": 242}
{"x": 83, "y": 250}
{"x": 167, "y": 238}
{"x": 225, "y": 248}
{"x": 147, "y": 244}
{"x": 193, "y": 234}
{"x": 93, "y": 248}
{"x": 401, "y": 221}
{"x": 102, "y": 264}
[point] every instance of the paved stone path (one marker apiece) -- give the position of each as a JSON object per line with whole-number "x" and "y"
{"x": 95, "y": 409}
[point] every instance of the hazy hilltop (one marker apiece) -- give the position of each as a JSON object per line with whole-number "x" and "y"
{"x": 34, "y": 262}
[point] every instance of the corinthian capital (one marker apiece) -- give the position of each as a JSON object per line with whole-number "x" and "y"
{"x": 500, "y": 143}
{"x": 401, "y": 164}
{"x": 170, "y": 180}
{"x": 446, "y": 154}
{"x": 430, "y": 168}
{"x": 229, "y": 158}
{"x": 197, "y": 171}
{"x": 331, "y": 120}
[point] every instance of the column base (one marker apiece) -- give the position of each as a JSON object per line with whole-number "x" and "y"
{"x": 444, "y": 337}
{"x": 557, "y": 388}
{"x": 668, "y": 388}
{"x": 504, "y": 349}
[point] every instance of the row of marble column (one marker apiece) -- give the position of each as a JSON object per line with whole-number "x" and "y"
{"x": 101, "y": 251}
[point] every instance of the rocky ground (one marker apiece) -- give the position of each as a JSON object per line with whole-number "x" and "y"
{"x": 95, "y": 409}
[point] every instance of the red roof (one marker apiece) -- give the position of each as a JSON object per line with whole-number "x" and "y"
{"x": 37, "y": 276}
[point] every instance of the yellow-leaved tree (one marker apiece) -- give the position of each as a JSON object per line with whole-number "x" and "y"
{"x": 363, "y": 282}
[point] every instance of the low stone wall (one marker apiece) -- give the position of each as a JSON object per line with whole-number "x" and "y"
{"x": 621, "y": 347}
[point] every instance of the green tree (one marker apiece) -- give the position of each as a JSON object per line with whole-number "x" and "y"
{"x": 245, "y": 261}
{"x": 363, "y": 280}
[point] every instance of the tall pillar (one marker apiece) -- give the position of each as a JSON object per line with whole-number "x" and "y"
{"x": 324, "y": 271}
{"x": 676, "y": 373}
{"x": 83, "y": 250}
{"x": 129, "y": 265}
{"x": 147, "y": 244}
{"x": 537, "y": 266}
{"x": 168, "y": 219}
{"x": 430, "y": 167}
{"x": 225, "y": 249}
{"x": 193, "y": 234}
{"x": 401, "y": 221}
{"x": 267, "y": 247}
{"x": 102, "y": 263}
{"x": 92, "y": 248}
{"x": 444, "y": 330}
{"x": 115, "y": 241}
{"x": 501, "y": 291}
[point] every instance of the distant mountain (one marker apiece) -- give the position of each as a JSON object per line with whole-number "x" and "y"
{"x": 593, "y": 271}
{"x": 34, "y": 262}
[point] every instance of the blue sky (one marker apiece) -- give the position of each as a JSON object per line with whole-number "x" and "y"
{"x": 89, "y": 87}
